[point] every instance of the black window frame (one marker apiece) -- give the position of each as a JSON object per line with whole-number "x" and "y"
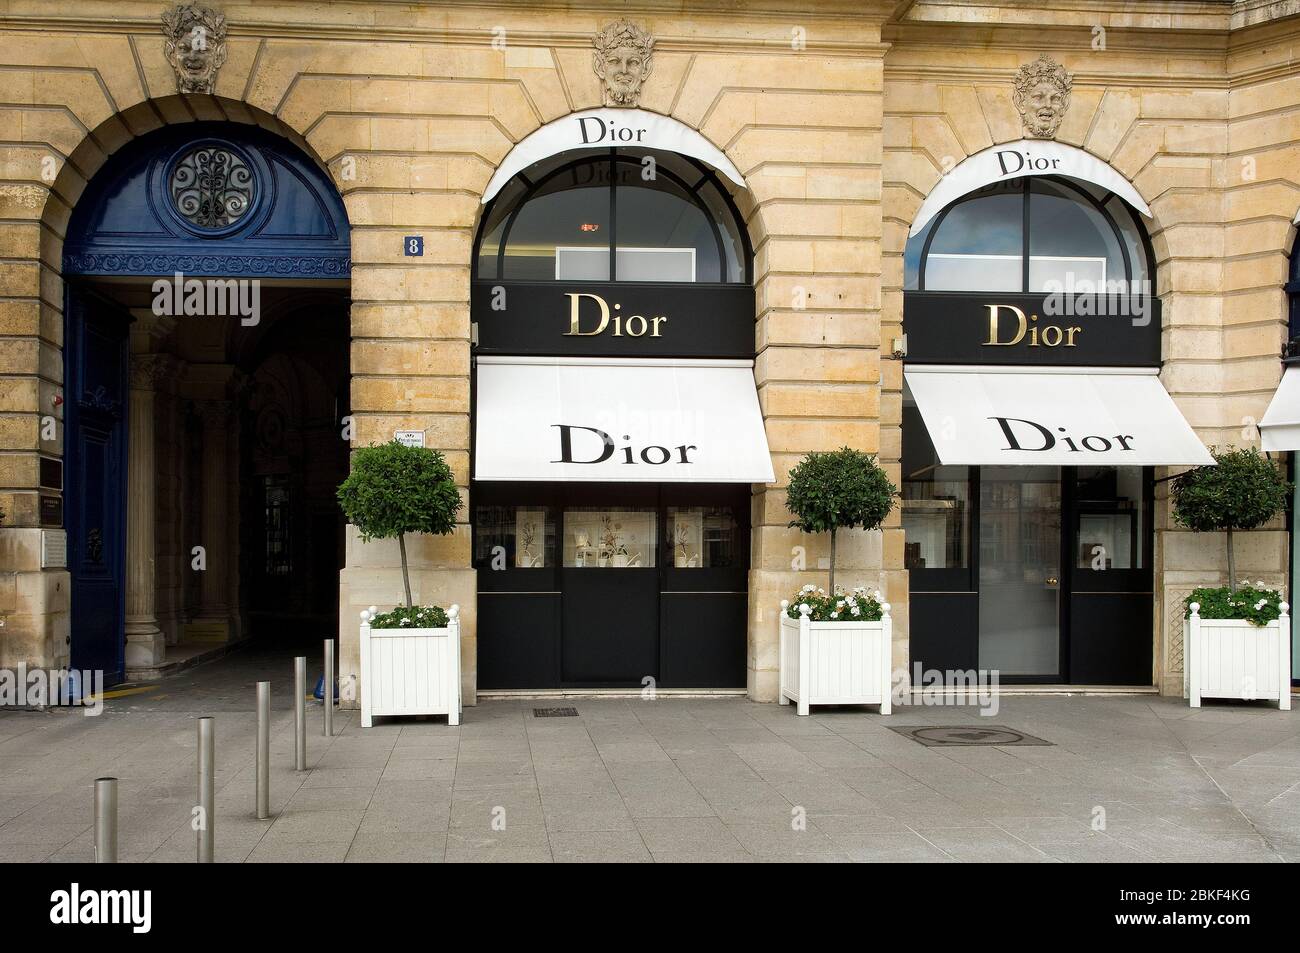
{"x": 1025, "y": 187}
{"x": 612, "y": 158}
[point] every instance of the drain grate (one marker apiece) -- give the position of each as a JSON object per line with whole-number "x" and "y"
{"x": 949, "y": 736}
{"x": 555, "y": 713}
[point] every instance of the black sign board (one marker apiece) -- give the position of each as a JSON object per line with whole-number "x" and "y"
{"x": 51, "y": 510}
{"x": 603, "y": 319}
{"x": 993, "y": 328}
{"x": 51, "y": 473}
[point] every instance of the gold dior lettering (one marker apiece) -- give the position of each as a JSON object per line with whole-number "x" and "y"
{"x": 631, "y": 325}
{"x": 1048, "y": 335}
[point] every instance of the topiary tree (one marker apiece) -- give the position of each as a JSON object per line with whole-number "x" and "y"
{"x": 839, "y": 489}
{"x": 394, "y": 489}
{"x": 1244, "y": 490}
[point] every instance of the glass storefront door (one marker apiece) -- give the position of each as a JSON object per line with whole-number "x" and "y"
{"x": 1041, "y": 573}
{"x": 1020, "y": 571}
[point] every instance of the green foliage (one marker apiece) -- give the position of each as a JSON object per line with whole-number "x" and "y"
{"x": 1244, "y": 491}
{"x": 395, "y": 489}
{"x": 839, "y": 489}
{"x": 855, "y": 606}
{"x": 1257, "y": 604}
{"x": 411, "y": 617}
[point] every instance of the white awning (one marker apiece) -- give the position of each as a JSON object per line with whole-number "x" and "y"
{"x": 607, "y": 128}
{"x": 1280, "y": 428}
{"x": 1055, "y": 416}
{"x": 619, "y": 420}
{"x": 1014, "y": 160}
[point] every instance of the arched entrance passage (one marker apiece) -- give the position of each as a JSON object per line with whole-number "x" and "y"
{"x": 198, "y": 381}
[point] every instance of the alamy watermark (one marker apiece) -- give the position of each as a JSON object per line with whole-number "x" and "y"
{"x": 932, "y": 686}
{"x": 47, "y": 688}
{"x": 1100, "y": 297}
{"x": 78, "y": 905}
{"x": 179, "y": 296}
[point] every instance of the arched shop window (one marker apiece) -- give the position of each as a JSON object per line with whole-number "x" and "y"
{"x": 616, "y": 426}
{"x": 609, "y": 215}
{"x": 1031, "y": 329}
{"x": 1031, "y": 235}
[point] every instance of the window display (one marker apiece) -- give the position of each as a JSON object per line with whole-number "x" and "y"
{"x": 510, "y": 537}
{"x": 615, "y": 538}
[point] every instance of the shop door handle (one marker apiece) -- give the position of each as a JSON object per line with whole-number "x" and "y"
{"x": 1050, "y": 580}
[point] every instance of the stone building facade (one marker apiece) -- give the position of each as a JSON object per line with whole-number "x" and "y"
{"x": 840, "y": 116}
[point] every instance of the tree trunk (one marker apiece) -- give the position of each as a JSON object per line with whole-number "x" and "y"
{"x": 1232, "y": 565}
{"x": 406, "y": 576}
{"x": 831, "y": 590}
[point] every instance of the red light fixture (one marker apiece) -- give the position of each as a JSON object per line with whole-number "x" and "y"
{"x": 589, "y": 227}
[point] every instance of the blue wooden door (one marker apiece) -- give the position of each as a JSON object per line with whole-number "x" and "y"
{"x": 95, "y": 387}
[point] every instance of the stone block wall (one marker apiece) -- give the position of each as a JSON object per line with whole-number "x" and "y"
{"x": 840, "y": 115}
{"x": 411, "y": 110}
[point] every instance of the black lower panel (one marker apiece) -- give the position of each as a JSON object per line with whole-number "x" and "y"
{"x": 945, "y": 629}
{"x": 518, "y": 640}
{"x": 1110, "y": 638}
{"x": 611, "y": 626}
{"x": 702, "y": 639}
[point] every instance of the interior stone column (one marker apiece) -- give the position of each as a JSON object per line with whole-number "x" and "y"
{"x": 172, "y": 553}
{"x": 213, "y": 605}
{"x": 144, "y": 639}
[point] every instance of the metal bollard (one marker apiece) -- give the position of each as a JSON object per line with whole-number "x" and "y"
{"x": 207, "y": 789}
{"x": 105, "y": 820}
{"x": 300, "y": 712}
{"x": 263, "y": 750}
{"x": 328, "y": 694}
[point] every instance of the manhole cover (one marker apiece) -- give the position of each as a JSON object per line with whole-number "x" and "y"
{"x": 555, "y": 713}
{"x": 947, "y": 736}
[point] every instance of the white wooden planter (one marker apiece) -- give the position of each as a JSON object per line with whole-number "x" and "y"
{"x": 410, "y": 671}
{"x": 835, "y": 663}
{"x": 1230, "y": 658}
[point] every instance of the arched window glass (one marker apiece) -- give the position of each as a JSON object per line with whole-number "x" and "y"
{"x": 614, "y": 216}
{"x": 978, "y": 244}
{"x": 1071, "y": 243}
{"x": 1033, "y": 235}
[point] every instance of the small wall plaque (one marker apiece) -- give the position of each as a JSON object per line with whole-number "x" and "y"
{"x": 54, "y": 549}
{"x": 409, "y": 438}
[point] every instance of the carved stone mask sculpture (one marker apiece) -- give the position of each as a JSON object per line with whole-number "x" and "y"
{"x": 623, "y": 60}
{"x": 1041, "y": 96}
{"x": 196, "y": 46}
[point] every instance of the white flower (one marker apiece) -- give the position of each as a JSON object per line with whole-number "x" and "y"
{"x": 835, "y": 614}
{"x": 877, "y": 595}
{"x": 857, "y": 611}
{"x": 809, "y": 588}
{"x": 840, "y": 604}
{"x": 821, "y": 592}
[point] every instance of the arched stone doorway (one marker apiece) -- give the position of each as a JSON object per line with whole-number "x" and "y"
{"x": 205, "y": 368}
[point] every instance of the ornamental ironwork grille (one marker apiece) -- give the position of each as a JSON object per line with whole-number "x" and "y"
{"x": 212, "y": 187}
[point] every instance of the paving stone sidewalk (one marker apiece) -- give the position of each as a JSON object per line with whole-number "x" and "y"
{"x": 668, "y": 780}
